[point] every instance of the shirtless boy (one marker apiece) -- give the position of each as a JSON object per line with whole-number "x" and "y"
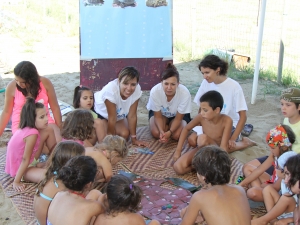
{"x": 220, "y": 203}
{"x": 216, "y": 131}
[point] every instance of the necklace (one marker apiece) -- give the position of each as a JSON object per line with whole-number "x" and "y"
{"x": 76, "y": 193}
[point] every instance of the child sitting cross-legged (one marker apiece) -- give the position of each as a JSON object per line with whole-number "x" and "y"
{"x": 260, "y": 174}
{"x": 216, "y": 131}
{"x": 220, "y": 203}
{"x": 278, "y": 206}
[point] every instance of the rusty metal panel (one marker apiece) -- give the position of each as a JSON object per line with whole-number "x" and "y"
{"x": 98, "y": 72}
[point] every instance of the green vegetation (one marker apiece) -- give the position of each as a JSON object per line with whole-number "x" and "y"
{"x": 32, "y": 21}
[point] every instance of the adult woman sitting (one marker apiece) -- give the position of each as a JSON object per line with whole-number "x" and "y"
{"x": 116, "y": 105}
{"x": 169, "y": 106}
{"x": 214, "y": 72}
{"x": 28, "y": 83}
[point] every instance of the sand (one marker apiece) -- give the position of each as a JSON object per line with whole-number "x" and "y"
{"x": 61, "y": 66}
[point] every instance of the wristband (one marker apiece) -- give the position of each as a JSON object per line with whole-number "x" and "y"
{"x": 133, "y": 136}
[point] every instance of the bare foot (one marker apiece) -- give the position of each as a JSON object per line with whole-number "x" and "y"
{"x": 248, "y": 142}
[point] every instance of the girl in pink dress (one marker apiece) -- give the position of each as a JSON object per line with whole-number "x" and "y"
{"x": 23, "y": 148}
{"x": 28, "y": 83}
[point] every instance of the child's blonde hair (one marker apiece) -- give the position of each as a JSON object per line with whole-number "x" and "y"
{"x": 114, "y": 143}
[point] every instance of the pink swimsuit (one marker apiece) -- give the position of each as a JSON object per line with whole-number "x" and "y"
{"x": 19, "y": 102}
{"x": 75, "y": 140}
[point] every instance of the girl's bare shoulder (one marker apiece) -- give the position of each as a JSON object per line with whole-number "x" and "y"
{"x": 11, "y": 87}
{"x": 46, "y": 82}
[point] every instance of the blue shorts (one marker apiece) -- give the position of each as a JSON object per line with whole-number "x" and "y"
{"x": 270, "y": 170}
{"x": 239, "y": 138}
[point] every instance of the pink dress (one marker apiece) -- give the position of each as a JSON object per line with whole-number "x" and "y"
{"x": 16, "y": 148}
{"x": 19, "y": 102}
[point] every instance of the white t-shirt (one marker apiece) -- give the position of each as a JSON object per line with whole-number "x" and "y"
{"x": 181, "y": 102}
{"x": 111, "y": 92}
{"x": 233, "y": 96}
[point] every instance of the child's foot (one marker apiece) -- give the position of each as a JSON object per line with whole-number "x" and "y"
{"x": 248, "y": 142}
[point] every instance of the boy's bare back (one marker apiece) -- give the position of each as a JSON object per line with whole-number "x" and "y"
{"x": 220, "y": 204}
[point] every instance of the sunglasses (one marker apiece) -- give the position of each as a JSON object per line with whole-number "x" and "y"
{"x": 281, "y": 170}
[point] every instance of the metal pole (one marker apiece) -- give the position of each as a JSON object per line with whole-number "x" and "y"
{"x": 258, "y": 49}
{"x": 282, "y": 39}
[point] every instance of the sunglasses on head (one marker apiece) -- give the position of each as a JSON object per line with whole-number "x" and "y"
{"x": 278, "y": 168}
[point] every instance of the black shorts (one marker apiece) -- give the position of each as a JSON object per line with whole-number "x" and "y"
{"x": 270, "y": 170}
{"x": 186, "y": 117}
{"x": 99, "y": 116}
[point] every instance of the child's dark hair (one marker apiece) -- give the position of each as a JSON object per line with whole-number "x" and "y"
{"x": 78, "y": 172}
{"x": 77, "y": 95}
{"x": 291, "y": 95}
{"x": 291, "y": 136}
{"x": 116, "y": 145}
{"x": 28, "y": 113}
{"x": 131, "y": 73}
{"x": 60, "y": 155}
{"x": 214, "y": 164}
{"x": 27, "y": 71}
{"x": 214, "y": 62}
{"x": 214, "y": 99}
{"x": 79, "y": 124}
{"x": 292, "y": 165}
{"x": 123, "y": 195}
{"x": 170, "y": 71}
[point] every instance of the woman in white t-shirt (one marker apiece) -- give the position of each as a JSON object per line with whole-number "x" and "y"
{"x": 116, "y": 105}
{"x": 169, "y": 106}
{"x": 214, "y": 72}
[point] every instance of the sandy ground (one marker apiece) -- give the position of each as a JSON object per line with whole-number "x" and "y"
{"x": 61, "y": 65}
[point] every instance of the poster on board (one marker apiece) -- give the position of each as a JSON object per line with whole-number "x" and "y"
{"x": 121, "y": 31}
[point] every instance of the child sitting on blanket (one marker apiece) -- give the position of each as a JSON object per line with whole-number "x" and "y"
{"x": 214, "y": 72}
{"x": 78, "y": 126}
{"x": 279, "y": 207}
{"x": 259, "y": 174}
{"x": 108, "y": 153}
{"x": 122, "y": 200}
{"x": 216, "y": 131}
{"x": 25, "y": 146}
{"x": 84, "y": 99}
{"x": 50, "y": 185}
{"x": 77, "y": 204}
{"x": 290, "y": 106}
{"x": 220, "y": 203}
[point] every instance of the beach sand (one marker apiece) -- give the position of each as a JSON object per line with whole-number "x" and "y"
{"x": 61, "y": 66}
